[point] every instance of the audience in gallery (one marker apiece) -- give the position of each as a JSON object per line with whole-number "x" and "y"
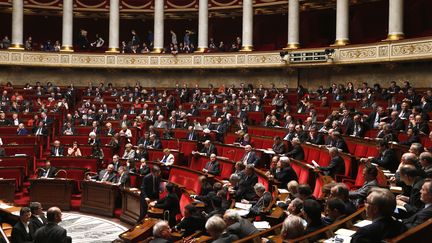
{"x": 227, "y": 103}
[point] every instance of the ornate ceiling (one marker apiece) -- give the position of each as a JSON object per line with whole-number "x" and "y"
{"x": 173, "y": 8}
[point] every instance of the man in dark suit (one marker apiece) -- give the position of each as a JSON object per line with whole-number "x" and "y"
{"x": 123, "y": 179}
{"x": 278, "y": 145}
{"x": 21, "y": 230}
{"x": 45, "y": 119}
{"x": 370, "y": 174}
{"x": 247, "y": 181}
{"x": 396, "y": 123}
{"x": 191, "y": 135}
{"x": 425, "y": 212}
{"x": 237, "y": 225}
{"x": 425, "y": 160}
{"x": 356, "y": 128}
{"x": 386, "y": 158}
{"x": 220, "y": 130}
{"x": 258, "y": 206}
{"x": 150, "y": 189}
{"x": 107, "y": 175}
{"x": 109, "y": 129}
{"x": 314, "y": 137}
{"x": 208, "y": 148}
{"x": 297, "y": 151}
{"x": 145, "y": 140}
{"x": 380, "y": 204}
{"x": 48, "y": 171}
{"x": 375, "y": 117}
{"x": 161, "y": 232}
{"x": 250, "y": 157}
{"x": 155, "y": 143}
{"x": 40, "y": 129}
{"x": 336, "y": 165}
{"x": 37, "y": 219}
{"x": 170, "y": 203}
{"x": 52, "y": 232}
{"x": 57, "y": 149}
{"x": 212, "y": 167}
{"x": 193, "y": 221}
{"x": 283, "y": 173}
{"x": 21, "y": 130}
{"x": 412, "y": 177}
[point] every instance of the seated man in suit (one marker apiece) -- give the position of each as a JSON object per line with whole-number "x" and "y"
{"x": 161, "y": 232}
{"x": 57, "y": 149}
{"x": 192, "y": 135}
{"x": 123, "y": 179}
{"x": 380, "y": 205}
{"x": 52, "y": 232}
{"x": 212, "y": 167}
{"x": 278, "y": 145}
{"x": 244, "y": 189}
{"x": 150, "y": 189}
{"x": 155, "y": 143}
{"x": 312, "y": 215}
{"x": 412, "y": 177}
{"x": 314, "y": 137}
{"x": 340, "y": 190}
{"x": 216, "y": 226}
{"x": 292, "y": 227}
{"x": 425, "y": 212}
{"x": 250, "y": 157}
{"x": 425, "y": 160}
{"x": 283, "y": 172}
{"x": 48, "y": 171}
{"x": 37, "y": 219}
{"x": 336, "y": 166}
{"x": 193, "y": 221}
{"x": 297, "y": 151}
{"x": 22, "y": 229}
{"x": 21, "y": 130}
{"x": 386, "y": 158}
{"x": 208, "y": 148}
{"x": 170, "y": 203}
{"x": 262, "y": 203}
{"x": 237, "y": 225}
{"x": 370, "y": 174}
{"x": 107, "y": 175}
{"x": 40, "y": 129}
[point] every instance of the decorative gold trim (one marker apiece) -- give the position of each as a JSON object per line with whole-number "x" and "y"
{"x": 157, "y": 50}
{"x": 44, "y": 4}
{"x": 113, "y": 50}
{"x": 201, "y": 50}
{"x": 292, "y": 46}
{"x": 19, "y": 47}
{"x": 395, "y": 37}
{"x": 66, "y": 49}
{"x": 342, "y": 42}
{"x": 246, "y": 48}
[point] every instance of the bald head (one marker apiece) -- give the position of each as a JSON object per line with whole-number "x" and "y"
{"x": 54, "y": 215}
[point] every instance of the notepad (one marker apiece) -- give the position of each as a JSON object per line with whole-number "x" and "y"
{"x": 261, "y": 224}
{"x": 363, "y": 223}
{"x": 344, "y": 232}
{"x": 242, "y": 212}
{"x": 244, "y": 206}
{"x": 5, "y": 206}
{"x": 283, "y": 191}
{"x": 315, "y": 163}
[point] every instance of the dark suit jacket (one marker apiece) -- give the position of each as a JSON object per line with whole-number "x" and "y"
{"x": 36, "y": 224}
{"x": 170, "y": 203}
{"x": 148, "y": 188}
{"x": 20, "y": 235}
{"x": 380, "y": 229}
{"x": 318, "y": 139}
{"x": 360, "y": 194}
{"x": 263, "y": 202}
{"x": 192, "y": 135}
{"x": 60, "y": 151}
{"x": 192, "y": 224}
{"x": 336, "y": 167}
{"x": 210, "y": 150}
{"x": 51, "y": 172}
{"x": 51, "y": 233}
{"x": 44, "y": 131}
{"x": 157, "y": 144}
{"x": 213, "y": 168}
{"x": 340, "y": 144}
{"x": 279, "y": 148}
{"x": 124, "y": 180}
{"x": 111, "y": 176}
{"x": 284, "y": 176}
{"x": 414, "y": 203}
{"x": 22, "y": 132}
{"x": 246, "y": 187}
{"x": 387, "y": 159}
{"x": 242, "y": 228}
{"x": 357, "y": 130}
{"x": 397, "y": 125}
{"x": 252, "y": 159}
{"x": 296, "y": 153}
{"x": 418, "y": 218}
{"x": 143, "y": 141}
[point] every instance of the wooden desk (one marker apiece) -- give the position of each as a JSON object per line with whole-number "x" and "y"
{"x": 140, "y": 231}
{"x": 99, "y": 198}
{"x": 52, "y": 192}
{"x": 7, "y": 189}
{"x": 10, "y": 214}
{"x": 130, "y": 205}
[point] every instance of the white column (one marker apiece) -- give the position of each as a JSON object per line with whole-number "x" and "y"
{"x": 17, "y": 25}
{"x": 342, "y": 22}
{"x": 247, "y": 37}
{"x": 67, "y": 36}
{"x": 203, "y": 26}
{"x": 114, "y": 26}
{"x": 293, "y": 24}
{"x": 158, "y": 26}
{"x": 396, "y": 15}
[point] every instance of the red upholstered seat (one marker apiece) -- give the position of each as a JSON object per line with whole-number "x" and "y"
{"x": 361, "y": 150}
{"x": 311, "y": 153}
{"x": 13, "y": 172}
{"x": 186, "y": 147}
{"x": 230, "y": 138}
{"x": 263, "y": 180}
{"x": 317, "y": 193}
{"x": 351, "y": 146}
{"x": 198, "y": 162}
{"x": 255, "y": 117}
{"x": 74, "y": 162}
{"x": 324, "y": 158}
{"x": 17, "y": 161}
{"x": 185, "y": 178}
{"x": 184, "y": 201}
{"x": 372, "y": 151}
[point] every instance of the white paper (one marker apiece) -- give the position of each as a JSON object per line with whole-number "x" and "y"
{"x": 242, "y": 212}
{"x": 315, "y": 163}
{"x": 261, "y": 224}
{"x": 283, "y": 191}
{"x": 363, "y": 223}
{"x": 5, "y": 206}
{"x": 244, "y": 206}
{"x": 16, "y": 213}
{"x": 268, "y": 151}
{"x": 20, "y": 155}
{"x": 345, "y": 232}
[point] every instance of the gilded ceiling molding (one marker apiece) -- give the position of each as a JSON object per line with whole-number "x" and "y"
{"x": 181, "y": 6}
{"x": 136, "y": 7}
{"x": 44, "y": 4}
{"x": 103, "y": 3}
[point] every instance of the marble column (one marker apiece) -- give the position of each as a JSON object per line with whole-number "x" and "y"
{"x": 67, "y": 34}
{"x": 396, "y": 15}
{"x": 114, "y": 26}
{"x": 203, "y": 26}
{"x": 293, "y": 24}
{"x": 17, "y": 25}
{"x": 158, "y": 43}
{"x": 247, "y": 37}
{"x": 342, "y": 23}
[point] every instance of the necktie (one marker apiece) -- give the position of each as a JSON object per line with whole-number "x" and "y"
{"x": 56, "y": 152}
{"x": 246, "y": 158}
{"x": 190, "y": 136}
{"x": 105, "y": 177}
{"x": 46, "y": 173}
